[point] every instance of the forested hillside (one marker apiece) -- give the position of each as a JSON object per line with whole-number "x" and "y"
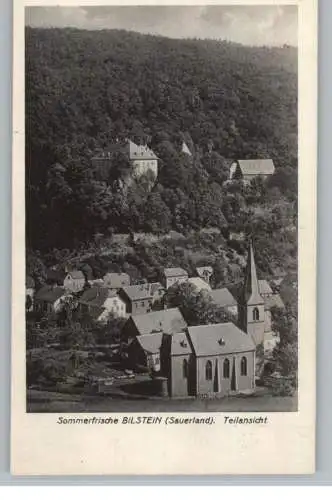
{"x": 84, "y": 89}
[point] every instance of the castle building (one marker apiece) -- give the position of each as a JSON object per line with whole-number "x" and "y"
{"x": 141, "y": 159}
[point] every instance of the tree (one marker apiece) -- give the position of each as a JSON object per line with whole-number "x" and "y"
{"x": 157, "y": 215}
{"x": 285, "y": 354}
{"x": 197, "y": 307}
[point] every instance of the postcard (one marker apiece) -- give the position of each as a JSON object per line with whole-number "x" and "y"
{"x": 164, "y": 237}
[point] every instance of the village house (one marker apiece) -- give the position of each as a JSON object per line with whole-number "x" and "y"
{"x": 141, "y": 159}
{"x": 199, "y": 283}
{"x": 205, "y": 273}
{"x": 74, "y": 281}
{"x": 101, "y": 302}
{"x": 174, "y": 275}
{"x": 139, "y": 299}
{"x": 165, "y": 321}
{"x": 270, "y": 302}
{"x": 264, "y": 289}
{"x": 144, "y": 351}
{"x": 247, "y": 170}
{"x": 29, "y": 292}
{"x": 222, "y": 297}
{"x": 49, "y": 299}
{"x": 116, "y": 281}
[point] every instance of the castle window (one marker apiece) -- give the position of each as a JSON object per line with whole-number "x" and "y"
{"x": 208, "y": 370}
{"x": 226, "y": 368}
{"x": 244, "y": 368}
{"x": 185, "y": 368}
{"x": 255, "y": 314}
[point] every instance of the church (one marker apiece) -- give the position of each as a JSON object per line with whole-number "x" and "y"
{"x": 214, "y": 359}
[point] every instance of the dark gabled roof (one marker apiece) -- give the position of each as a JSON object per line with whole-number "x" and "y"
{"x": 174, "y": 271}
{"x": 96, "y": 296}
{"x": 236, "y": 289}
{"x": 222, "y": 338}
{"x": 274, "y": 301}
{"x": 166, "y": 321}
{"x": 199, "y": 283}
{"x": 223, "y": 297}
{"x": 50, "y": 294}
{"x": 141, "y": 292}
{"x": 264, "y": 287}
{"x": 256, "y": 167}
{"x": 95, "y": 311}
{"x": 116, "y": 280}
{"x": 150, "y": 343}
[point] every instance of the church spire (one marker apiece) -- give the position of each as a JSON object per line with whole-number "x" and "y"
{"x": 251, "y": 293}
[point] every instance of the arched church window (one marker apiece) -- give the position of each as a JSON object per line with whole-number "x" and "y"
{"x": 255, "y": 314}
{"x": 226, "y": 368}
{"x": 244, "y": 367}
{"x": 185, "y": 368}
{"x": 208, "y": 370}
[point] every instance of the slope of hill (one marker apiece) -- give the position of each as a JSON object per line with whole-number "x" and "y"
{"x": 84, "y": 89}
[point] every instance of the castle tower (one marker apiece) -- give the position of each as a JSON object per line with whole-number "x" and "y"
{"x": 251, "y": 305}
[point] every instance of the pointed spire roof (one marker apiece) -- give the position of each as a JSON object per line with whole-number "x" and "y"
{"x": 251, "y": 293}
{"x": 185, "y": 149}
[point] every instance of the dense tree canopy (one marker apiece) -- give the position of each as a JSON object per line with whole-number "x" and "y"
{"x": 86, "y": 89}
{"x": 197, "y": 307}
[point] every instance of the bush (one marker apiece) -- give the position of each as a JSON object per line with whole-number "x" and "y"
{"x": 283, "y": 387}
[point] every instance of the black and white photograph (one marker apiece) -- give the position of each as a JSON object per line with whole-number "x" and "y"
{"x": 161, "y": 208}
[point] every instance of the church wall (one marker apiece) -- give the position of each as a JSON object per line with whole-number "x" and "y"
{"x": 242, "y": 383}
{"x": 256, "y": 328}
{"x": 141, "y": 167}
{"x": 268, "y": 321}
{"x": 180, "y": 385}
{"x": 246, "y": 382}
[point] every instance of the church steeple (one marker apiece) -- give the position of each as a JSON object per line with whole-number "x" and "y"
{"x": 251, "y": 305}
{"x": 251, "y": 293}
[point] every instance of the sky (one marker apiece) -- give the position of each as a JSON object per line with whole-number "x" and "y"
{"x": 248, "y": 25}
